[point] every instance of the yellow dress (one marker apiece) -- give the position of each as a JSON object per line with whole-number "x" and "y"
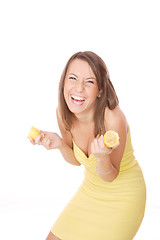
{"x": 103, "y": 210}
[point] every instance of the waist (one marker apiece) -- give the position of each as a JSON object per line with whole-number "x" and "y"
{"x": 128, "y": 161}
{"x": 130, "y": 175}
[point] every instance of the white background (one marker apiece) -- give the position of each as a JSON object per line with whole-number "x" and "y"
{"x": 36, "y": 40}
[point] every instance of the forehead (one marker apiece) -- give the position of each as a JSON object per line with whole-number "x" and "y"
{"x": 80, "y": 68}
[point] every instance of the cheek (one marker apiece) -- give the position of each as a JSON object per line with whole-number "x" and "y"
{"x": 94, "y": 93}
{"x": 65, "y": 91}
{"x": 67, "y": 86}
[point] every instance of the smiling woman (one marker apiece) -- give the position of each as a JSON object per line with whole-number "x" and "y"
{"x": 110, "y": 203}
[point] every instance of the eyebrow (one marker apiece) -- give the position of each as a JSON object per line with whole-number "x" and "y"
{"x": 73, "y": 74}
{"x": 86, "y": 78}
{"x": 91, "y": 78}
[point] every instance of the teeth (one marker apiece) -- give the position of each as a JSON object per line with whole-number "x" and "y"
{"x": 77, "y": 97}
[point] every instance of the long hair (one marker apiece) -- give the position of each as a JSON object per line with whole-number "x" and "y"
{"x": 108, "y": 97}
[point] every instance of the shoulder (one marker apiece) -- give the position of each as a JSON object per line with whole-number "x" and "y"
{"x": 116, "y": 120}
{"x": 66, "y": 135}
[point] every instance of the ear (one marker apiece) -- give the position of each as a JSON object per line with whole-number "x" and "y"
{"x": 99, "y": 94}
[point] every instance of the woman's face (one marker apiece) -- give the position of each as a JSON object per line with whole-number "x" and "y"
{"x": 80, "y": 87}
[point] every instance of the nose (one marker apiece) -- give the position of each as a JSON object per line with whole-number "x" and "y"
{"x": 79, "y": 86}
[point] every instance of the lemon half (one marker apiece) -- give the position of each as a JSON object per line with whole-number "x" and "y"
{"x": 34, "y": 132}
{"x": 111, "y": 139}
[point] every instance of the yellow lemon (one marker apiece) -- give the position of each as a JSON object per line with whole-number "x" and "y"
{"x": 34, "y": 132}
{"x": 111, "y": 139}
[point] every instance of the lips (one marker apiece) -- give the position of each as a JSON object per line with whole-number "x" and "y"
{"x": 78, "y": 99}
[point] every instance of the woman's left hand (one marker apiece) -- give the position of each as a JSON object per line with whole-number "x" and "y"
{"x": 98, "y": 149}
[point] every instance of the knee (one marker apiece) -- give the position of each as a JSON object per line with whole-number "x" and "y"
{"x": 51, "y": 236}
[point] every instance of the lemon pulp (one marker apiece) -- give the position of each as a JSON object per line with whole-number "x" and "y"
{"x": 111, "y": 139}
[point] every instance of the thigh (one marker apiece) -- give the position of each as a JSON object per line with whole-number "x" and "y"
{"x": 51, "y": 236}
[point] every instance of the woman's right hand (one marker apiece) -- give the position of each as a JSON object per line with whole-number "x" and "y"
{"x": 49, "y": 140}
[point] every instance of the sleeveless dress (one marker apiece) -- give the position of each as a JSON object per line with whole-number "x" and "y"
{"x": 103, "y": 210}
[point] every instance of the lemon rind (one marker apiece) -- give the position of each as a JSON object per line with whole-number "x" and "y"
{"x": 34, "y": 132}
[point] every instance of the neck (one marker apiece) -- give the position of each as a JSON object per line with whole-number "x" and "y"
{"x": 84, "y": 118}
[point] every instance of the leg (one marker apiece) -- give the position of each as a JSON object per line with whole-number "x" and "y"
{"x": 51, "y": 236}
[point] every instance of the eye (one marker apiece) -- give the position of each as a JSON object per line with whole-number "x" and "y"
{"x": 73, "y": 78}
{"x": 90, "y": 81}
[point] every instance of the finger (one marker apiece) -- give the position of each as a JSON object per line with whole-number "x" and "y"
{"x": 116, "y": 146}
{"x": 38, "y": 139}
{"x": 43, "y": 141}
{"x": 43, "y": 132}
{"x": 32, "y": 141}
{"x": 109, "y": 150}
{"x": 96, "y": 145}
{"x": 97, "y": 136}
{"x": 99, "y": 140}
{"x": 48, "y": 143}
{"x": 101, "y": 143}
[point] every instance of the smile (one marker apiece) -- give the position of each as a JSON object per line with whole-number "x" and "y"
{"x": 77, "y": 99}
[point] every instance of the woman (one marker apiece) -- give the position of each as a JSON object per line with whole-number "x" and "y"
{"x": 110, "y": 203}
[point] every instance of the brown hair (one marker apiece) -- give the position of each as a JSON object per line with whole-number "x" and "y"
{"x": 108, "y": 95}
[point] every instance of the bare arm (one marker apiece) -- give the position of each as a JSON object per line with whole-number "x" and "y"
{"x": 51, "y": 140}
{"x": 108, "y": 160}
{"x": 66, "y": 148}
{"x": 68, "y": 154}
